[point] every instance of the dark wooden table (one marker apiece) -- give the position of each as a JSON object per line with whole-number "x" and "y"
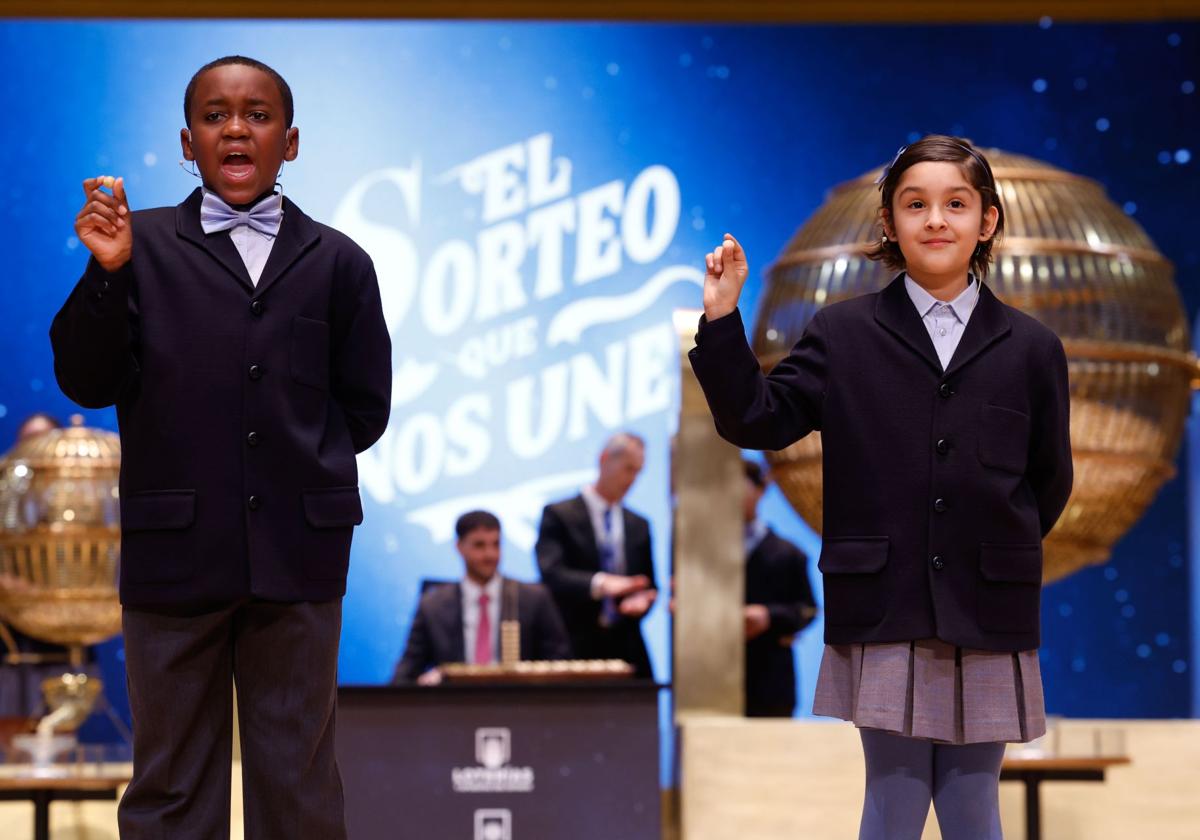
{"x": 1034, "y": 771}
{"x": 72, "y": 788}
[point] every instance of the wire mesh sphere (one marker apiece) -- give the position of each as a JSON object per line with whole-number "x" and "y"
{"x": 1073, "y": 260}
{"x": 60, "y": 535}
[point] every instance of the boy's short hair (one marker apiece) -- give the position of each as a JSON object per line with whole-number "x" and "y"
{"x": 285, "y": 92}
{"x": 474, "y": 521}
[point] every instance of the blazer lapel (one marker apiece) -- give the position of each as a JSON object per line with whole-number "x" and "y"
{"x": 218, "y": 245}
{"x": 988, "y": 324}
{"x": 297, "y": 234}
{"x": 458, "y": 650}
{"x": 585, "y": 534}
{"x": 895, "y": 312}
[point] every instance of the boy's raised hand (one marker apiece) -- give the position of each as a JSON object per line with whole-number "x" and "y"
{"x": 726, "y": 274}
{"x": 103, "y": 225}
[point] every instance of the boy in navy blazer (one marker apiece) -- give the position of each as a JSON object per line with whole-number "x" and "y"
{"x": 245, "y": 349}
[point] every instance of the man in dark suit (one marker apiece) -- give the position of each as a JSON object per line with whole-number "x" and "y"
{"x": 460, "y": 622}
{"x": 779, "y": 604}
{"x": 245, "y": 349}
{"x": 595, "y": 556}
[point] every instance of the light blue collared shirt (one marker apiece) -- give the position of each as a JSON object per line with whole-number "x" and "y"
{"x": 254, "y": 247}
{"x": 946, "y": 322}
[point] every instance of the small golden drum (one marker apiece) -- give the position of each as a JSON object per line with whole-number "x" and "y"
{"x": 60, "y": 535}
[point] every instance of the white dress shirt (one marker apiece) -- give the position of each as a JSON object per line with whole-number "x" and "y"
{"x": 254, "y": 247}
{"x": 470, "y": 611}
{"x": 596, "y": 505}
{"x": 945, "y": 321}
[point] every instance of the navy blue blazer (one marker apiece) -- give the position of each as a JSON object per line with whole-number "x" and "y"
{"x": 436, "y": 635}
{"x": 241, "y": 409}
{"x": 569, "y": 558}
{"x": 938, "y": 484}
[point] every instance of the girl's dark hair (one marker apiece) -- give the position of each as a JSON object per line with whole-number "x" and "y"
{"x": 976, "y": 170}
{"x": 285, "y": 92}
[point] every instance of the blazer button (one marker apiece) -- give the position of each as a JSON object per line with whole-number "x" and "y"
{"x": 939, "y": 505}
{"x": 253, "y": 503}
{"x": 252, "y": 438}
{"x": 943, "y": 446}
{"x": 945, "y": 390}
{"x": 255, "y": 372}
{"x": 256, "y": 307}
{"x": 938, "y": 563}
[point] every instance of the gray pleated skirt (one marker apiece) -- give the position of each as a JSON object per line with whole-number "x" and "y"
{"x": 933, "y": 690}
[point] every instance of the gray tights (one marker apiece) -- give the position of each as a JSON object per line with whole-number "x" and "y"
{"x": 905, "y": 774}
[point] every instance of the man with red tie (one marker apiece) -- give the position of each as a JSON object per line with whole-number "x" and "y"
{"x": 460, "y": 622}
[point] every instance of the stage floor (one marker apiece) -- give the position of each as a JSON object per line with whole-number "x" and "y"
{"x": 792, "y": 779}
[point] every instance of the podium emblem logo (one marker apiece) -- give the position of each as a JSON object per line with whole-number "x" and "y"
{"x": 493, "y": 824}
{"x": 493, "y": 747}
{"x": 493, "y": 771}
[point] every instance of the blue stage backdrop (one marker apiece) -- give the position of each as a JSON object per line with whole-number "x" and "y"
{"x": 538, "y": 198}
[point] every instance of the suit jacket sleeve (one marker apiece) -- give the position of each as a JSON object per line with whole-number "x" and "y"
{"x": 644, "y": 562}
{"x": 418, "y": 653}
{"x": 550, "y": 635}
{"x": 551, "y": 550}
{"x": 1050, "y": 471}
{"x": 797, "y": 609}
{"x": 362, "y": 358}
{"x": 751, "y": 410}
{"x": 94, "y": 337}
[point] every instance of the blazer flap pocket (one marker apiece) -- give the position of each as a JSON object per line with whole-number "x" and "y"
{"x": 333, "y": 507}
{"x": 1003, "y": 438}
{"x": 310, "y": 352}
{"x": 158, "y": 510}
{"x": 1011, "y": 563}
{"x": 853, "y": 555}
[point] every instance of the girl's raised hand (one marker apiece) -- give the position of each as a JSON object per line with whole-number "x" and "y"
{"x": 103, "y": 225}
{"x": 723, "y": 280}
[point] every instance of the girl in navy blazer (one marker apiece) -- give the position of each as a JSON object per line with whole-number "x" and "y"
{"x": 946, "y": 458}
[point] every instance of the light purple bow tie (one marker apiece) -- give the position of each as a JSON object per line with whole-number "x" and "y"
{"x": 264, "y": 217}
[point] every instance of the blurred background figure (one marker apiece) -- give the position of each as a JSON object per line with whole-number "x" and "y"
{"x": 779, "y": 604}
{"x": 595, "y": 556}
{"x": 460, "y": 622}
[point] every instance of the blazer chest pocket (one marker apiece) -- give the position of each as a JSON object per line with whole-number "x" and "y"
{"x": 310, "y": 352}
{"x": 331, "y": 513}
{"x": 158, "y": 544}
{"x": 1003, "y": 438}
{"x": 853, "y": 570}
{"x": 1010, "y": 588}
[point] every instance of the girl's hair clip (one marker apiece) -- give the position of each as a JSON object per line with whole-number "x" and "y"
{"x": 887, "y": 169}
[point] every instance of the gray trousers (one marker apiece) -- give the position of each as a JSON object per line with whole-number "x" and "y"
{"x": 181, "y": 670}
{"x": 905, "y": 774}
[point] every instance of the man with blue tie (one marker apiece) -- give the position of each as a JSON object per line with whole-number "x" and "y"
{"x": 595, "y": 557}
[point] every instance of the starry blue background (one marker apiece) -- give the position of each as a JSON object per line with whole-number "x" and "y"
{"x": 756, "y": 122}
